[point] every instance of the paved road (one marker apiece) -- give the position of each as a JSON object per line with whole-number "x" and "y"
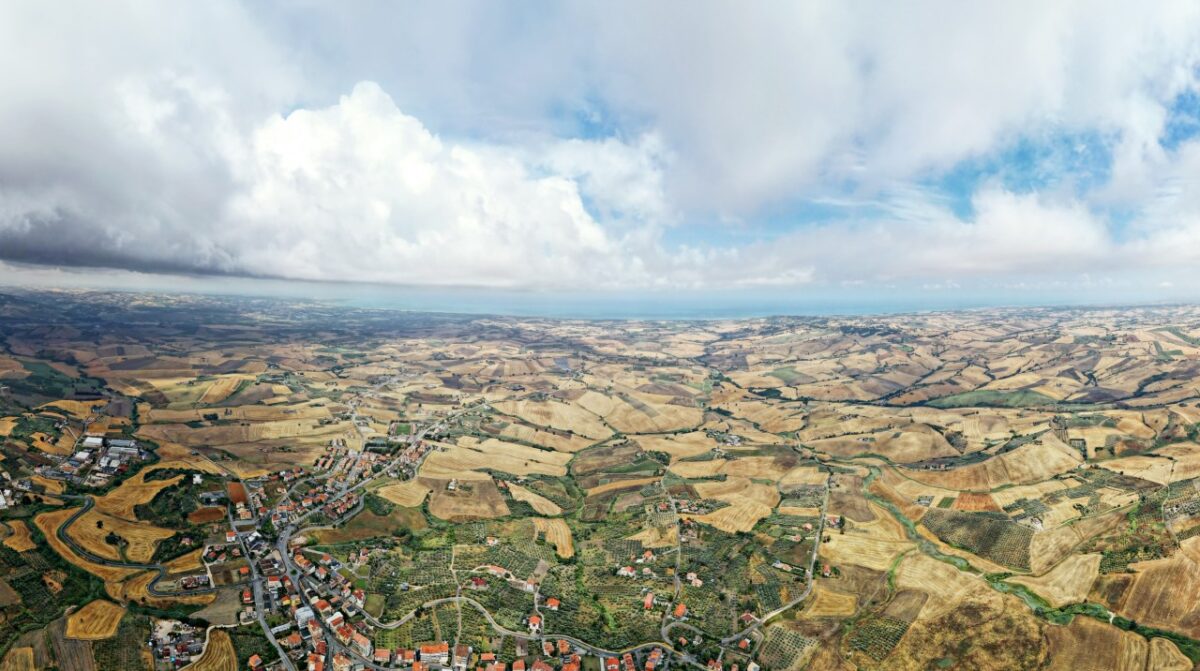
{"x": 812, "y": 579}
{"x": 259, "y": 600}
{"x": 88, "y": 502}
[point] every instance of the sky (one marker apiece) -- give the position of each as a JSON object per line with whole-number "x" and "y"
{"x": 943, "y": 153}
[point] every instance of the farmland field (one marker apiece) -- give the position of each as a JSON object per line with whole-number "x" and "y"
{"x": 97, "y": 620}
{"x": 1012, "y": 488}
{"x": 18, "y": 538}
{"x": 219, "y": 654}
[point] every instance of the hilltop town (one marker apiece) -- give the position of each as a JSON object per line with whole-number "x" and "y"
{"x": 220, "y": 483}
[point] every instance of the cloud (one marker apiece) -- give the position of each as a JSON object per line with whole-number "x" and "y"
{"x": 593, "y": 145}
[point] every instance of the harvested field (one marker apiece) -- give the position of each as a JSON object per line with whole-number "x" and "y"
{"x": 70, "y": 654}
{"x": 48, "y": 523}
{"x": 735, "y": 488}
{"x": 697, "y": 469}
{"x": 135, "y": 589}
{"x": 92, "y": 530}
{"x": 641, "y": 413}
{"x": 761, "y": 468}
{"x": 465, "y": 460}
{"x": 186, "y": 563}
{"x": 555, "y": 440}
{"x": 206, "y": 515}
{"x": 1085, "y": 641}
{"x": 618, "y": 485}
{"x": 19, "y": 538}
{"x": 678, "y": 446}
{"x": 409, "y": 494}
{"x": 1049, "y": 547}
{"x": 658, "y": 537}
{"x": 1169, "y": 464}
{"x": 540, "y": 504}
{"x": 1067, "y": 583}
{"x": 369, "y": 525}
{"x": 829, "y": 603}
{"x": 1165, "y": 656}
{"x": 265, "y": 416}
{"x": 558, "y": 415}
{"x": 945, "y": 584}
{"x": 849, "y": 502}
{"x": 557, "y": 533}
{"x": 134, "y": 492}
{"x": 875, "y": 545}
{"x": 51, "y": 486}
{"x": 603, "y": 458}
{"x": 975, "y": 502}
{"x": 95, "y": 621}
{"x": 1029, "y": 463}
{"x": 1163, "y": 593}
{"x": 474, "y": 500}
{"x": 219, "y": 654}
{"x": 739, "y": 516}
{"x": 224, "y": 610}
{"x": 222, "y": 387}
{"x": 18, "y": 659}
{"x": 803, "y": 475}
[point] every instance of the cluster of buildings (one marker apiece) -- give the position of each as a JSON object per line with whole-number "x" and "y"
{"x": 175, "y": 644}
{"x": 97, "y": 460}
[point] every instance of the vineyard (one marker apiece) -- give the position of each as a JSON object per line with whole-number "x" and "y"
{"x": 878, "y": 636}
{"x": 990, "y": 536}
{"x": 783, "y": 648}
{"x": 124, "y": 650}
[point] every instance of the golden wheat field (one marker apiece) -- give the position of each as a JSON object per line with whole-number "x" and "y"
{"x": 219, "y": 654}
{"x": 96, "y": 621}
{"x": 557, "y": 533}
{"x": 409, "y": 494}
{"x": 135, "y": 588}
{"x": 540, "y": 504}
{"x": 92, "y": 530}
{"x": 739, "y": 516}
{"x": 19, "y": 538}
{"x": 49, "y": 522}
{"x": 1067, "y": 583}
{"x": 18, "y": 659}
{"x": 134, "y": 492}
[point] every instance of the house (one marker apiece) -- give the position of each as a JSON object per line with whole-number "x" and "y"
{"x": 648, "y": 601}
{"x": 255, "y": 662}
{"x": 382, "y": 656}
{"x": 626, "y": 572}
{"x": 553, "y": 603}
{"x": 361, "y": 644}
{"x": 680, "y": 611}
{"x": 535, "y": 624}
{"x": 436, "y": 653}
{"x": 462, "y": 654}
